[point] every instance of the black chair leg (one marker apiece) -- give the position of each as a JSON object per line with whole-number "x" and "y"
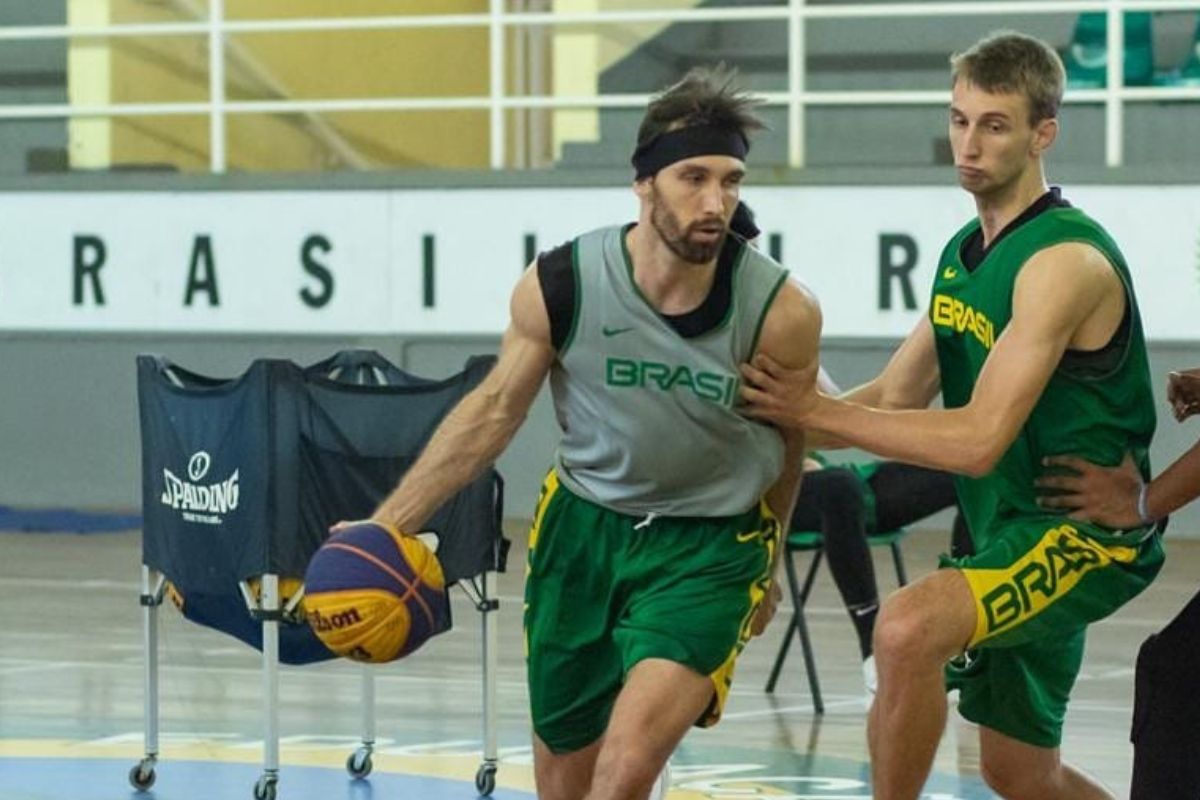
{"x": 794, "y": 625}
{"x": 799, "y": 626}
{"x": 810, "y": 666}
{"x": 810, "y": 661}
{"x": 898, "y": 559}
{"x": 781, "y": 656}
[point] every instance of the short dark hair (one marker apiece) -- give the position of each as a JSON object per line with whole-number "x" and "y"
{"x": 1008, "y": 62}
{"x": 705, "y": 96}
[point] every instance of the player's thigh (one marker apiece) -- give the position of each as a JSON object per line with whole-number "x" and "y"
{"x": 660, "y": 700}
{"x": 1043, "y": 578}
{"x": 933, "y": 616}
{"x": 693, "y": 599}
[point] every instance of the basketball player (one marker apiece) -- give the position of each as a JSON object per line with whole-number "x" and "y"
{"x": 1034, "y": 338}
{"x": 1166, "y": 717}
{"x": 652, "y": 548}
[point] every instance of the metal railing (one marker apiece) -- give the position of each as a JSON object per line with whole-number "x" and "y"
{"x": 497, "y": 20}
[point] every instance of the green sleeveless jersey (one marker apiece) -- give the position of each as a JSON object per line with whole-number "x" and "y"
{"x": 1096, "y": 412}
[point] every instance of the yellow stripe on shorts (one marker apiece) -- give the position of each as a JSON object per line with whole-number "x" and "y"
{"x": 1008, "y": 597}
{"x": 549, "y": 488}
{"x": 722, "y": 676}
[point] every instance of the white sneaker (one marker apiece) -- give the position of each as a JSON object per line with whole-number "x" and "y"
{"x": 662, "y": 784}
{"x": 870, "y": 677}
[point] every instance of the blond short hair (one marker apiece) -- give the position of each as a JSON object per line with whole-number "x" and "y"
{"x": 1007, "y": 62}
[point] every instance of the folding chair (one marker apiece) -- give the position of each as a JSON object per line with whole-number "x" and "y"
{"x": 814, "y": 542}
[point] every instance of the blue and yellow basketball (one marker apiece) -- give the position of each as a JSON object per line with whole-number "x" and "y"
{"x": 373, "y": 594}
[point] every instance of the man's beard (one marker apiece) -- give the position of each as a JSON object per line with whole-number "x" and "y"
{"x": 679, "y": 241}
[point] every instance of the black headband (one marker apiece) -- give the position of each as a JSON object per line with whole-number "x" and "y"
{"x": 697, "y": 140}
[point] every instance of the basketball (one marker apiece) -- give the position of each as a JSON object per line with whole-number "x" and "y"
{"x": 374, "y": 595}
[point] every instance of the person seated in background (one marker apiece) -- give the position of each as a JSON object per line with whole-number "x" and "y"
{"x": 847, "y": 503}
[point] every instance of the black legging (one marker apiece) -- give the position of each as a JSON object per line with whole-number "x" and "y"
{"x": 831, "y": 501}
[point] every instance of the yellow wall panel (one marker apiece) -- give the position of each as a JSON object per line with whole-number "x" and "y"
{"x": 434, "y": 62}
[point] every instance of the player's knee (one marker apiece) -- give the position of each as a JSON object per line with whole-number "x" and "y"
{"x": 562, "y": 776}
{"x": 1014, "y": 781}
{"x": 625, "y": 770}
{"x": 902, "y": 635}
{"x": 897, "y": 637}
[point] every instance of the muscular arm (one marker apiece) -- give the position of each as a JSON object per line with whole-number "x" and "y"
{"x": 478, "y": 429}
{"x": 1059, "y": 294}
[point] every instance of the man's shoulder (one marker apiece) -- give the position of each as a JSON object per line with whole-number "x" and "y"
{"x": 793, "y": 318}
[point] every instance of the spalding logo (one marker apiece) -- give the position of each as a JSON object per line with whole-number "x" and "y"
{"x": 198, "y": 465}
{"x": 200, "y": 502}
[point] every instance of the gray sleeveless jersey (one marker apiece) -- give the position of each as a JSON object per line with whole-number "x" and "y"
{"x": 648, "y": 416}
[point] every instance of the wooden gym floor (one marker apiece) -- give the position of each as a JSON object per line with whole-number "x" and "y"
{"x": 71, "y": 698}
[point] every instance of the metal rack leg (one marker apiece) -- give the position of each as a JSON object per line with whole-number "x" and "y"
{"x": 359, "y": 763}
{"x": 265, "y": 788}
{"x": 142, "y": 776}
{"x": 485, "y": 777}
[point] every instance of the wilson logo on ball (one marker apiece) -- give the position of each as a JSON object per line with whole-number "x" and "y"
{"x": 374, "y": 594}
{"x": 322, "y": 623}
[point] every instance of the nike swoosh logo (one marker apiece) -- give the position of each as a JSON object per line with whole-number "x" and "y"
{"x": 607, "y": 331}
{"x": 749, "y": 536}
{"x": 950, "y": 273}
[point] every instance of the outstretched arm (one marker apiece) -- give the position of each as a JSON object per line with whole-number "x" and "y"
{"x": 911, "y": 379}
{"x": 1056, "y": 294}
{"x": 478, "y": 429}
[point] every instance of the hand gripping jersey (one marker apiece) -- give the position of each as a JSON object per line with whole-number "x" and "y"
{"x": 648, "y": 416}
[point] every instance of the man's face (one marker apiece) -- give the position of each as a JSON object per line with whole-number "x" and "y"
{"x": 992, "y": 138}
{"x": 691, "y": 203}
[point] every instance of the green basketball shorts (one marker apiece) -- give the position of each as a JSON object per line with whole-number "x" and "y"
{"x": 1037, "y": 584}
{"x": 605, "y": 590}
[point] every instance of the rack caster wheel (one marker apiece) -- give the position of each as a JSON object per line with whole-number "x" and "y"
{"x": 264, "y": 788}
{"x": 358, "y": 764}
{"x": 141, "y": 776}
{"x": 485, "y": 780}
